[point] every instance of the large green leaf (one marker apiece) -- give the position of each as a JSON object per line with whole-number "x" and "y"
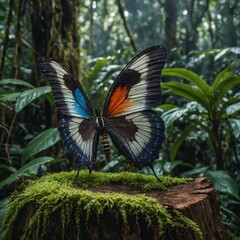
{"x": 187, "y": 91}
{"x": 28, "y": 96}
{"x": 188, "y": 75}
{"x": 16, "y": 82}
{"x": 225, "y": 86}
{"x": 30, "y": 168}
{"x": 41, "y": 142}
{"x": 223, "y": 182}
{"x": 223, "y": 75}
{"x": 179, "y": 140}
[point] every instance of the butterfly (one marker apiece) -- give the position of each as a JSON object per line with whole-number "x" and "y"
{"x": 127, "y": 117}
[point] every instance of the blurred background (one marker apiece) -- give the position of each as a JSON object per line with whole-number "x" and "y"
{"x": 94, "y": 40}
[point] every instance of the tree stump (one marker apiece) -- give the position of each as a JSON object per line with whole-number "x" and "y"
{"x": 115, "y": 206}
{"x": 199, "y": 201}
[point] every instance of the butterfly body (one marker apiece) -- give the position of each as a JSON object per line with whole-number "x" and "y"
{"x": 128, "y": 117}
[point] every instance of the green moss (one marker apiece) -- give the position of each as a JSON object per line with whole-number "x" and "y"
{"x": 189, "y": 224}
{"x": 53, "y": 205}
{"x": 136, "y": 180}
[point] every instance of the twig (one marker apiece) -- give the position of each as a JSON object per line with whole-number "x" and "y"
{"x": 121, "y": 12}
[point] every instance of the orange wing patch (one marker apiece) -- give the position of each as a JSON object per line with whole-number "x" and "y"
{"x": 118, "y": 101}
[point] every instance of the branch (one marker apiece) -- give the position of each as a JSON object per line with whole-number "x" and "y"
{"x": 121, "y": 12}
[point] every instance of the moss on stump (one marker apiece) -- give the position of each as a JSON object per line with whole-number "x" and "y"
{"x": 100, "y": 206}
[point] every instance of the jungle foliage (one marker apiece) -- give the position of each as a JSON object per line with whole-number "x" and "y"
{"x": 94, "y": 39}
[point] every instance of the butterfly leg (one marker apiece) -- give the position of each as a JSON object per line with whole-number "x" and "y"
{"x": 75, "y": 179}
{"x": 151, "y": 167}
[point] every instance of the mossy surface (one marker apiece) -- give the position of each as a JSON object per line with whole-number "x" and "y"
{"x": 135, "y": 180}
{"x": 53, "y": 207}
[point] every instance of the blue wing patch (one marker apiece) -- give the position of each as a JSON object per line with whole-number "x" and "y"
{"x": 80, "y": 105}
{"x": 67, "y": 91}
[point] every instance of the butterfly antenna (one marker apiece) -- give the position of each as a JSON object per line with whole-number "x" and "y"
{"x": 151, "y": 167}
{"x": 75, "y": 180}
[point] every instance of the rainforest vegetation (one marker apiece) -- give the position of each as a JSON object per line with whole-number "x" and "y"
{"x": 94, "y": 40}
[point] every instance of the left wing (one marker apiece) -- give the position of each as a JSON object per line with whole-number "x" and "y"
{"x": 137, "y": 136}
{"x": 137, "y": 87}
{"x": 68, "y": 94}
{"x": 80, "y": 138}
{"x": 77, "y": 126}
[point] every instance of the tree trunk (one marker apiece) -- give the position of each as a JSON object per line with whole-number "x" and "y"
{"x": 171, "y": 29}
{"x": 55, "y": 34}
{"x": 115, "y": 206}
{"x": 196, "y": 11}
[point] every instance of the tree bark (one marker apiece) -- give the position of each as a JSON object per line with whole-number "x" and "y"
{"x": 114, "y": 207}
{"x": 197, "y": 200}
{"x": 171, "y": 28}
{"x": 6, "y": 36}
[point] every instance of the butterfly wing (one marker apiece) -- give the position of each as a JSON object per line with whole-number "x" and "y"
{"x": 136, "y": 130}
{"x": 68, "y": 94}
{"x": 138, "y": 136}
{"x": 137, "y": 87}
{"x": 80, "y": 138}
{"x": 77, "y": 126}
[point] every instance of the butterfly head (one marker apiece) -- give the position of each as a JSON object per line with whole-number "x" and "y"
{"x": 97, "y": 112}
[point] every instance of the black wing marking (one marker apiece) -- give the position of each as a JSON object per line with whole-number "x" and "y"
{"x": 137, "y": 136}
{"x": 137, "y": 87}
{"x": 80, "y": 136}
{"x": 67, "y": 91}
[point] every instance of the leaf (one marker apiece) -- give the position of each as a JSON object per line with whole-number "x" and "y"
{"x": 41, "y": 142}
{"x": 3, "y": 208}
{"x": 179, "y": 140}
{"x": 100, "y": 64}
{"x": 110, "y": 165}
{"x": 225, "y": 86}
{"x": 221, "y": 53}
{"x": 31, "y": 167}
{"x": 28, "y": 96}
{"x": 196, "y": 172}
{"x": 168, "y": 107}
{"x": 223, "y": 75}
{"x": 188, "y": 75}
{"x": 188, "y": 92}
{"x": 9, "y": 97}
{"x": 16, "y": 82}
{"x": 235, "y": 125}
{"x": 232, "y": 109}
{"x": 223, "y": 182}
{"x": 170, "y": 166}
{"x": 176, "y": 113}
{"x": 172, "y": 115}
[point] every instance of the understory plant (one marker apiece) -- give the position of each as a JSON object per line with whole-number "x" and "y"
{"x": 206, "y": 121}
{"x": 213, "y": 110}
